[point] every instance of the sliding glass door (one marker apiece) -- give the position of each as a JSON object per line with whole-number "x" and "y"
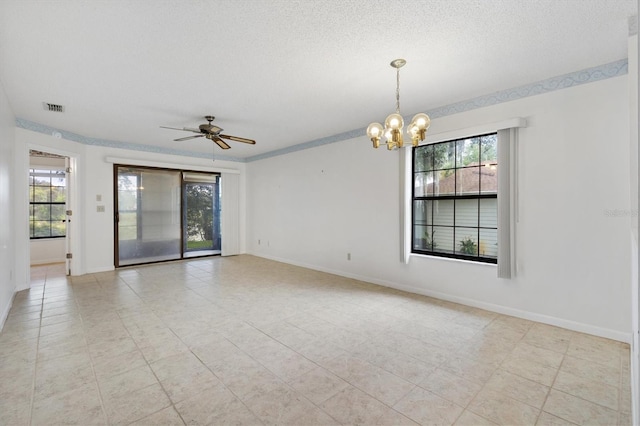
{"x": 165, "y": 215}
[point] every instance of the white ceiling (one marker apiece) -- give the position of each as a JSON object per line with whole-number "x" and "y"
{"x": 283, "y": 72}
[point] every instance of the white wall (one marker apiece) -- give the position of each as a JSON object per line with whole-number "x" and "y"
{"x": 47, "y": 251}
{"x": 312, "y": 207}
{"x": 94, "y": 250}
{"x": 7, "y": 237}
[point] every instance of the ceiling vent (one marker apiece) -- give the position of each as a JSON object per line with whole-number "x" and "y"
{"x": 53, "y": 107}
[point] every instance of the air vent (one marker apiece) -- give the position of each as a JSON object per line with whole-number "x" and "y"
{"x": 53, "y": 107}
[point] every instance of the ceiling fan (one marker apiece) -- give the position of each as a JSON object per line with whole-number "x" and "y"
{"x": 212, "y": 132}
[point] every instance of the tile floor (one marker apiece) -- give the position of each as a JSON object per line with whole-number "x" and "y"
{"x": 244, "y": 340}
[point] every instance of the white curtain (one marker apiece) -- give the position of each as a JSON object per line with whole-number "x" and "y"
{"x": 406, "y": 206}
{"x": 507, "y": 185}
{"x": 230, "y": 215}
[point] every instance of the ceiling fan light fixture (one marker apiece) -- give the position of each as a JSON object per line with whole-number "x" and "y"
{"x": 394, "y": 123}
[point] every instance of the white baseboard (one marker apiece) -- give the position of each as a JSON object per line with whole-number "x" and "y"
{"x": 506, "y": 310}
{"x": 46, "y": 261}
{"x": 5, "y": 312}
{"x": 101, "y": 269}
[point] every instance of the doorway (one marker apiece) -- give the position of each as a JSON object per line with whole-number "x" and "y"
{"x": 49, "y": 209}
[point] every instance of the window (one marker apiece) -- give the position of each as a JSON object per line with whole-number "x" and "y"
{"x": 455, "y": 199}
{"x": 47, "y": 197}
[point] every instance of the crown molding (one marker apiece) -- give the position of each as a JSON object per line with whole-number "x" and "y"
{"x": 589, "y": 75}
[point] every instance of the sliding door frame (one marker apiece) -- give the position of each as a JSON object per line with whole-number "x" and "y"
{"x": 116, "y": 254}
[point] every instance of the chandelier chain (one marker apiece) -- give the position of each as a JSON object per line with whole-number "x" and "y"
{"x": 398, "y": 90}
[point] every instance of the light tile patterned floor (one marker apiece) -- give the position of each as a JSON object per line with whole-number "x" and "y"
{"x": 244, "y": 340}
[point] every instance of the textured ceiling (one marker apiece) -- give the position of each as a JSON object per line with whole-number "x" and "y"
{"x": 283, "y": 72}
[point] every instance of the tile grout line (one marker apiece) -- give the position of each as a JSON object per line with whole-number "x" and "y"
{"x": 521, "y": 339}
{"x": 35, "y": 364}
{"x": 93, "y": 370}
{"x": 167, "y": 318}
{"x": 148, "y": 364}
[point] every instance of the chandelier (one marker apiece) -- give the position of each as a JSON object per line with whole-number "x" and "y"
{"x": 392, "y": 130}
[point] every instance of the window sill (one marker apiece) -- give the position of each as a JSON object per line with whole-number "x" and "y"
{"x": 451, "y": 259}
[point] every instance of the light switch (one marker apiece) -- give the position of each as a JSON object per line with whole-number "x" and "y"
{"x": 99, "y": 197}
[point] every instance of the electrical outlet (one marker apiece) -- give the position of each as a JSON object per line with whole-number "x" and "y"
{"x": 100, "y": 209}
{"x": 348, "y": 256}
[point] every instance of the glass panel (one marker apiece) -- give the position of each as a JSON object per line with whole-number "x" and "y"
{"x": 58, "y": 194}
{"x": 444, "y": 155}
{"x": 58, "y": 179}
{"x": 422, "y": 238}
{"x": 468, "y": 152}
{"x": 41, "y": 228}
{"x": 467, "y": 241}
{"x": 42, "y": 212}
{"x": 127, "y": 226}
{"x": 442, "y": 238}
{"x": 423, "y": 160}
{"x": 42, "y": 194}
{"x": 489, "y": 212}
{"x": 489, "y": 179}
{"x": 489, "y": 243}
{"x": 423, "y": 184}
{"x": 58, "y": 229}
{"x": 444, "y": 182}
{"x": 202, "y": 212}
{"x": 422, "y": 212}
{"x": 443, "y": 212}
{"x": 42, "y": 178}
{"x": 58, "y": 212}
{"x": 149, "y": 215}
{"x": 489, "y": 149}
{"x": 467, "y": 213}
{"x": 467, "y": 181}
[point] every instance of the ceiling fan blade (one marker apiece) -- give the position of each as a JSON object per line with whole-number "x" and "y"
{"x": 187, "y": 138}
{"x": 184, "y": 128}
{"x": 191, "y": 130}
{"x": 222, "y": 144}
{"x": 238, "y": 139}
